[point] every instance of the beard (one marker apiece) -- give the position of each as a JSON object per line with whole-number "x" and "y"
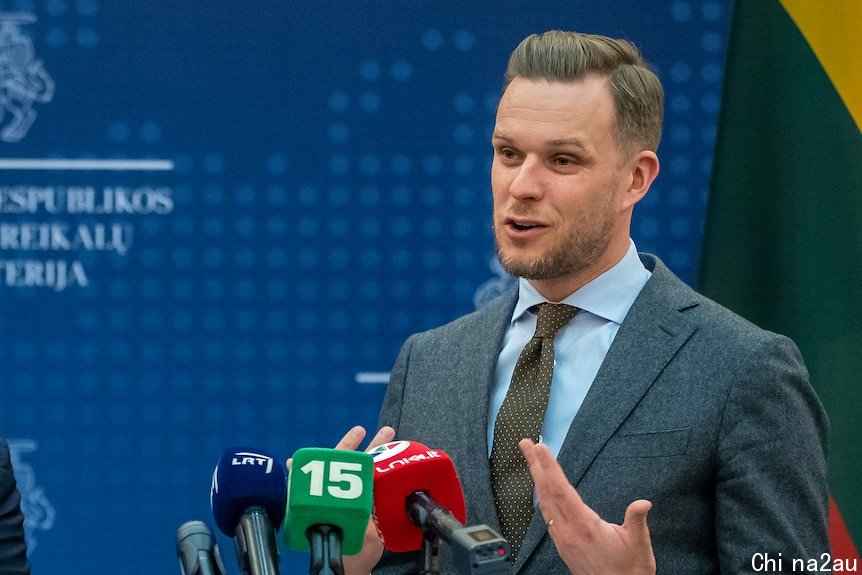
{"x": 578, "y": 246}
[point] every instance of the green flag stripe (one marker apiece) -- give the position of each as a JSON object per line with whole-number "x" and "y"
{"x": 783, "y": 243}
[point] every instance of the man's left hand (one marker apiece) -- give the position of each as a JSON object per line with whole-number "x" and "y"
{"x": 587, "y": 543}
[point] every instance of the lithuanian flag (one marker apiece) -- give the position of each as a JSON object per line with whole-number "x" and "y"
{"x": 783, "y": 243}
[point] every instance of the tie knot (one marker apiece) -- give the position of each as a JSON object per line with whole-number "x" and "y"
{"x": 551, "y": 317}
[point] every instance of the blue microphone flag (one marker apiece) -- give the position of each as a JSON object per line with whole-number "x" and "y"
{"x": 244, "y": 478}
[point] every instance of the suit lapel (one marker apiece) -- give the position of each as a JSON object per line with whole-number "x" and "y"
{"x": 476, "y": 366}
{"x": 647, "y": 340}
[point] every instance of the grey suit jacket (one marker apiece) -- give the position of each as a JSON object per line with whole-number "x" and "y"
{"x": 694, "y": 408}
{"x": 13, "y": 549}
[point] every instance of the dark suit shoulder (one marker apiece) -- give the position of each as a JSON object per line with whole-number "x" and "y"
{"x": 665, "y": 290}
{"x": 13, "y": 549}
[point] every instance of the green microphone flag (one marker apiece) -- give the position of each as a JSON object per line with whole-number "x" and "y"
{"x": 329, "y": 487}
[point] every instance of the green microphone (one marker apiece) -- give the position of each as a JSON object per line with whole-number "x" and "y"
{"x": 329, "y": 498}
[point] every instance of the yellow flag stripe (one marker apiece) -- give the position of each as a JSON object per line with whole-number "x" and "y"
{"x": 833, "y": 29}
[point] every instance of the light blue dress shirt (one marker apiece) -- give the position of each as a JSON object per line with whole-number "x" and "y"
{"x": 579, "y": 347}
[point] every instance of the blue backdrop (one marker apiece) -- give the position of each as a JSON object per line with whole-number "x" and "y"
{"x": 219, "y": 220}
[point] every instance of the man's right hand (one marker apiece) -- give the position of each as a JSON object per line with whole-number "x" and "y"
{"x": 363, "y": 562}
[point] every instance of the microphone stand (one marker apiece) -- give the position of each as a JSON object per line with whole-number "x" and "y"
{"x": 256, "y": 549}
{"x": 477, "y": 549}
{"x": 420, "y": 515}
{"x": 430, "y": 555}
{"x": 326, "y": 557}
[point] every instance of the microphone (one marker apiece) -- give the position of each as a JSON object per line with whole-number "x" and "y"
{"x": 329, "y": 498}
{"x": 418, "y": 498}
{"x": 402, "y": 468}
{"x": 197, "y": 550}
{"x": 248, "y": 498}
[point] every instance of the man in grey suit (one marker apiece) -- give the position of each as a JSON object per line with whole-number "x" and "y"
{"x": 660, "y": 402}
{"x": 13, "y": 549}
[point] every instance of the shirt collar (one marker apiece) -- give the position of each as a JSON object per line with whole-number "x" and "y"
{"x": 609, "y": 296}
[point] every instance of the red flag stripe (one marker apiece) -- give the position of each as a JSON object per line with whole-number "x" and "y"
{"x": 839, "y": 537}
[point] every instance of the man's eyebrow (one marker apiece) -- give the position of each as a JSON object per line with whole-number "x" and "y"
{"x": 567, "y": 142}
{"x": 550, "y": 143}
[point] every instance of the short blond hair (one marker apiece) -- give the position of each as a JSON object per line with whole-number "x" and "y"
{"x": 570, "y": 56}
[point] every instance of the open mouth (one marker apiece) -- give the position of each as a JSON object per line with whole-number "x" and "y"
{"x": 523, "y": 225}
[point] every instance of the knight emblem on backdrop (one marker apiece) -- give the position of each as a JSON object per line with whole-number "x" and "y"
{"x": 23, "y": 80}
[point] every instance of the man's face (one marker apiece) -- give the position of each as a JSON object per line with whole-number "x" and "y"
{"x": 557, "y": 180}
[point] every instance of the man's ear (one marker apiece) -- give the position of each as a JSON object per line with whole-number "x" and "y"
{"x": 644, "y": 169}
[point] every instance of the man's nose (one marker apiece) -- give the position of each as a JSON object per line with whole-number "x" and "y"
{"x": 528, "y": 182}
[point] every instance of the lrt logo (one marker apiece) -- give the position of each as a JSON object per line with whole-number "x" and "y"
{"x": 249, "y": 458}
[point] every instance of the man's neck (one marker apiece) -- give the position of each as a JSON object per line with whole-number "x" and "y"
{"x": 559, "y": 288}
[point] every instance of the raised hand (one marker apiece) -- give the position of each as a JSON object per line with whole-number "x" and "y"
{"x": 587, "y": 543}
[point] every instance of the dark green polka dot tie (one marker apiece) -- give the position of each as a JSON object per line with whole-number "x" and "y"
{"x": 521, "y": 416}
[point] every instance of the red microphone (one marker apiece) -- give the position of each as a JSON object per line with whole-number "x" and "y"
{"x": 418, "y": 498}
{"x": 401, "y": 469}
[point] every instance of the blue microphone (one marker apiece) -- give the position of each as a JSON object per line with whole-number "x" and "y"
{"x": 248, "y": 497}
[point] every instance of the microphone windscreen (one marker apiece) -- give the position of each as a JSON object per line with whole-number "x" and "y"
{"x": 329, "y": 487}
{"x": 247, "y": 477}
{"x": 193, "y": 537}
{"x": 400, "y": 469}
